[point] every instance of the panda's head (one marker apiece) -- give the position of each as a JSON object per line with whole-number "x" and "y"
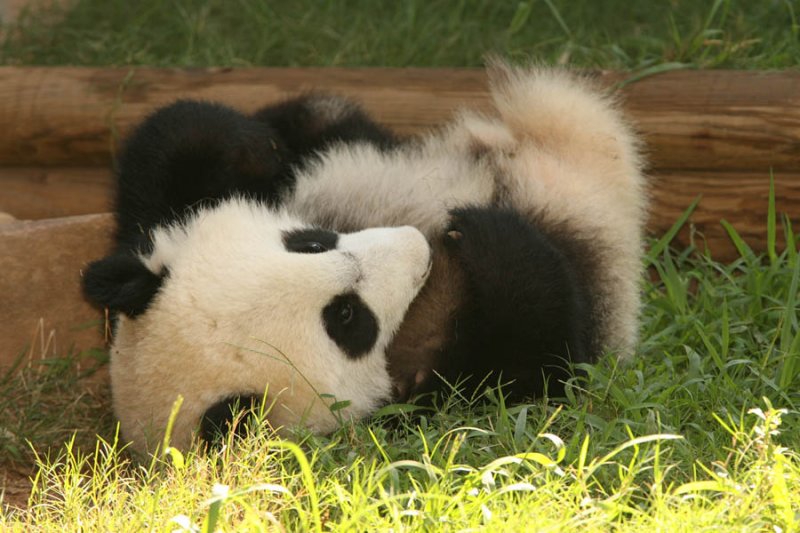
{"x": 240, "y": 300}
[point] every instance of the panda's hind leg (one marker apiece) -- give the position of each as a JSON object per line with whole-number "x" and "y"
{"x": 525, "y": 315}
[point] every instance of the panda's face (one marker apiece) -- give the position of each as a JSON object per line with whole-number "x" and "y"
{"x": 251, "y": 301}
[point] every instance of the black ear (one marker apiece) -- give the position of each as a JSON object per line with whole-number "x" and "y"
{"x": 122, "y": 283}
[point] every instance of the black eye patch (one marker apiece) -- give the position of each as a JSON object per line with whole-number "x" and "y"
{"x": 310, "y": 240}
{"x": 351, "y": 324}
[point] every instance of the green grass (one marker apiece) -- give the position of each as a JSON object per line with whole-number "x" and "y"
{"x": 607, "y": 33}
{"x": 45, "y": 403}
{"x": 700, "y": 430}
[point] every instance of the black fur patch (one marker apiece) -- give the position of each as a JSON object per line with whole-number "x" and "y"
{"x": 310, "y": 240}
{"x": 218, "y": 418}
{"x": 122, "y": 283}
{"x": 190, "y": 154}
{"x": 527, "y": 311}
{"x": 306, "y": 131}
{"x": 351, "y": 324}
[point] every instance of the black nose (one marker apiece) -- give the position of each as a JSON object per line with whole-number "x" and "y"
{"x": 232, "y": 412}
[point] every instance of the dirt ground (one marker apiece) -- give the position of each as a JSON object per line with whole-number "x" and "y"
{"x": 15, "y": 485}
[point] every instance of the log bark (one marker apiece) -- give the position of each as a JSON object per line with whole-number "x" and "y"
{"x": 719, "y": 120}
{"x": 699, "y": 120}
{"x": 741, "y": 198}
{"x": 30, "y": 193}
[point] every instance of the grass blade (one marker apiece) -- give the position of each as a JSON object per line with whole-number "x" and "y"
{"x": 744, "y": 250}
{"x": 652, "y": 71}
{"x": 791, "y": 241}
{"x": 790, "y": 344}
{"x": 773, "y": 256}
{"x": 663, "y": 242}
{"x": 558, "y": 18}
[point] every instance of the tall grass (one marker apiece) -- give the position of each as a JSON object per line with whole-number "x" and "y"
{"x": 460, "y": 478}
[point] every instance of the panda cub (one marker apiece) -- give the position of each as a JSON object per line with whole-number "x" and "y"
{"x": 308, "y": 252}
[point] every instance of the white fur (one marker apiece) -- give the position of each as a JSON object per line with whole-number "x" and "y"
{"x": 331, "y": 108}
{"x": 556, "y": 147}
{"x": 235, "y": 305}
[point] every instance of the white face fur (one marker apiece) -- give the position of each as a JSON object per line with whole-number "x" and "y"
{"x": 253, "y": 300}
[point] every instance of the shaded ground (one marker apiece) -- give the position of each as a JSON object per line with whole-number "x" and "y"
{"x": 15, "y": 485}
{"x": 42, "y": 407}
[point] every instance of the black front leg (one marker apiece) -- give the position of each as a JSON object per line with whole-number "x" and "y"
{"x": 190, "y": 154}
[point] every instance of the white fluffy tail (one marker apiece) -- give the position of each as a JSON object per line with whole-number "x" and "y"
{"x": 562, "y": 113}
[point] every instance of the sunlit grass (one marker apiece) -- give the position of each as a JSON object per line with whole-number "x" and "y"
{"x": 459, "y": 479}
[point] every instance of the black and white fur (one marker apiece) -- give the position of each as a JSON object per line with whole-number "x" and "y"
{"x": 248, "y": 298}
{"x": 534, "y": 215}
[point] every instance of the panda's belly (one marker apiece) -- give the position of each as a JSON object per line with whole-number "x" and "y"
{"x": 358, "y": 186}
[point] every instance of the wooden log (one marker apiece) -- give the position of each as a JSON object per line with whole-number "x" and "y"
{"x": 741, "y": 198}
{"x": 46, "y": 192}
{"x": 699, "y": 120}
{"x": 74, "y": 116}
{"x": 709, "y": 133}
{"x": 719, "y": 120}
